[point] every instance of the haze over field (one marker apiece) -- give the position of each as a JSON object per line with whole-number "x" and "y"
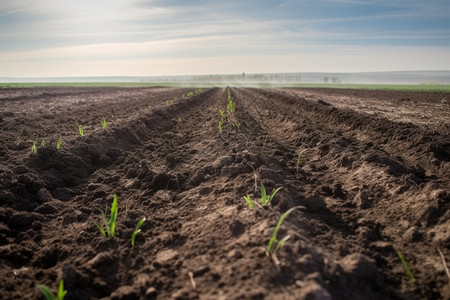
{"x": 52, "y": 38}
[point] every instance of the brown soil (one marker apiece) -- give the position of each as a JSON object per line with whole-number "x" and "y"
{"x": 375, "y": 179}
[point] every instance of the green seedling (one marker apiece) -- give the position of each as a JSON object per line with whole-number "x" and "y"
{"x": 264, "y": 198}
{"x": 59, "y": 142}
{"x": 444, "y": 263}
{"x": 231, "y": 106}
{"x": 48, "y": 294}
{"x": 275, "y": 244}
{"x": 80, "y": 130}
{"x": 238, "y": 125}
{"x": 104, "y": 124}
{"x": 190, "y": 94}
{"x": 249, "y": 201}
{"x": 149, "y": 107}
{"x": 222, "y": 114}
{"x": 137, "y": 230}
{"x": 179, "y": 119}
{"x": 33, "y": 147}
{"x": 109, "y": 225}
{"x": 299, "y": 157}
{"x": 220, "y": 127}
{"x": 405, "y": 265}
{"x": 167, "y": 102}
{"x": 43, "y": 143}
{"x": 175, "y": 98}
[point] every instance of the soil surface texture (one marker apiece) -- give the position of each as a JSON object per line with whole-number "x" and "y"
{"x": 372, "y": 184}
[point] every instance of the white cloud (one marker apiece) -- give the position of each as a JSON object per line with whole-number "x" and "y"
{"x": 107, "y": 35}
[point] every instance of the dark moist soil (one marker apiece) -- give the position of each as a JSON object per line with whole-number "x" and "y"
{"x": 374, "y": 180}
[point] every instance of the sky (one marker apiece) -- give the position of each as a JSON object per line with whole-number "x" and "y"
{"x": 61, "y": 38}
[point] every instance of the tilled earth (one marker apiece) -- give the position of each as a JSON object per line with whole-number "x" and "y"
{"x": 374, "y": 180}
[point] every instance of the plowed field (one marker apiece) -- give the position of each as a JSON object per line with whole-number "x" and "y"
{"x": 374, "y": 180}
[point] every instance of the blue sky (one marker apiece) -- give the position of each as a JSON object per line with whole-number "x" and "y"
{"x": 155, "y": 37}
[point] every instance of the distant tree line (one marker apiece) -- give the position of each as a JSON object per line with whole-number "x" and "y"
{"x": 248, "y": 78}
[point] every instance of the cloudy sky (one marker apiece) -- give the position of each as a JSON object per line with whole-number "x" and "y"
{"x": 168, "y": 37}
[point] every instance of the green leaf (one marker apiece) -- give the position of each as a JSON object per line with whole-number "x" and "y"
{"x": 109, "y": 225}
{"x": 281, "y": 243}
{"x": 273, "y": 193}
{"x": 263, "y": 194}
{"x": 59, "y": 142}
{"x": 45, "y": 291}
{"x": 137, "y": 230}
{"x": 61, "y": 292}
{"x": 249, "y": 201}
{"x": 33, "y": 148}
{"x": 299, "y": 157}
{"x": 270, "y": 246}
{"x": 80, "y": 130}
{"x": 99, "y": 228}
{"x": 405, "y": 265}
{"x": 113, "y": 217}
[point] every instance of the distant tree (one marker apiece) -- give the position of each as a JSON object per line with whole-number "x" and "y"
{"x": 325, "y": 79}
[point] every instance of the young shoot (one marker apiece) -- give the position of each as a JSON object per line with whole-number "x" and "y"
{"x": 137, "y": 230}
{"x": 222, "y": 114}
{"x": 249, "y": 201}
{"x": 238, "y": 125}
{"x": 48, "y": 294}
{"x": 275, "y": 244}
{"x": 299, "y": 157}
{"x": 231, "y": 106}
{"x": 33, "y": 147}
{"x": 265, "y": 199}
{"x": 405, "y": 265}
{"x": 179, "y": 119}
{"x": 59, "y": 142}
{"x": 104, "y": 124}
{"x": 220, "y": 127}
{"x": 43, "y": 143}
{"x": 108, "y": 227}
{"x": 80, "y": 130}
